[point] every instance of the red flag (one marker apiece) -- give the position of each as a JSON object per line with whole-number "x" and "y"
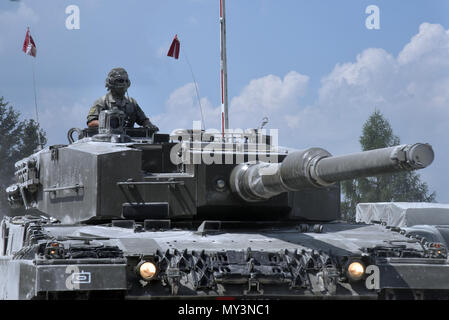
{"x": 29, "y": 47}
{"x": 174, "y": 48}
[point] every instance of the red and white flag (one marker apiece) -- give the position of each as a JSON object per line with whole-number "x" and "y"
{"x": 29, "y": 47}
{"x": 174, "y": 48}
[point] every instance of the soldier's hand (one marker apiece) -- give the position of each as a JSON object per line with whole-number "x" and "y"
{"x": 151, "y": 126}
{"x": 154, "y": 127}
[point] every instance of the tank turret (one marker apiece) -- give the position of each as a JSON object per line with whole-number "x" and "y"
{"x": 114, "y": 172}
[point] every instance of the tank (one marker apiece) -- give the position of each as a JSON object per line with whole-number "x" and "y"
{"x": 132, "y": 213}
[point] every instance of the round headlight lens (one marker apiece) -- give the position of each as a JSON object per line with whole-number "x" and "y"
{"x": 356, "y": 270}
{"x": 147, "y": 270}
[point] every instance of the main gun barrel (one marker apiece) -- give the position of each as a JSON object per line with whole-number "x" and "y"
{"x": 315, "y": 167}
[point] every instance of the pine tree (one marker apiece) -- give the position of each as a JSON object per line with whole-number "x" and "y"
{"x": 28, "y": 140}
{"x": 18, "y": 139}
{"x": 398, "y": 187}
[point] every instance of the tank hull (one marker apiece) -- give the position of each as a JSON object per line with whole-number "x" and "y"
{"x": 214, "y": 260}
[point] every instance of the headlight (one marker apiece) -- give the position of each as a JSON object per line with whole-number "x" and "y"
{"x": 54, "y": 250}
{"x": 356, "y": 270}
{"x": 147, "y": 270}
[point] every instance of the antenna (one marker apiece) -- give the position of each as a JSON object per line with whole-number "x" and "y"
{"x": 197, "y": 91}
{"x": 224, "y": 71}
{"x": 35, "y": 106}
{"x": 29, "y": 50}
{"x": 174, "y": 52}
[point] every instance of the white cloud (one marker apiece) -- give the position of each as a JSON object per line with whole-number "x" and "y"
{"x": 182, "y": 109}
{"x": 431, "y": 40}
{"x": 411, "y": 90}
{"x": 16, "y": 21}
{"x": 269, "y": 96}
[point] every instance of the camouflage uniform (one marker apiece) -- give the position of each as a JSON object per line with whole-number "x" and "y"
{"x": 133, "y": 113}
{"x": 118, "y": 83}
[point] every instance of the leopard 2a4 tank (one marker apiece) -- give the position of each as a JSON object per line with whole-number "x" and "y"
{"x": 130, "y": 213}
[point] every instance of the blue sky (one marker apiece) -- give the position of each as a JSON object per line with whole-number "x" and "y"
{"x": 312, "y": 67}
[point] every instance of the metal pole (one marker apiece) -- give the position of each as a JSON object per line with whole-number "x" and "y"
{"x": 224, "y": 71}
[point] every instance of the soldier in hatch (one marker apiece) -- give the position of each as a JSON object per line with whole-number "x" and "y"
{"x": 118, "y": 83}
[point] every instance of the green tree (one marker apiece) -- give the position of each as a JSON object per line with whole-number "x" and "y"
{"x": 18, "y": 139}
{"x": 398, "y": 187}
{"x": 28, "y": 140}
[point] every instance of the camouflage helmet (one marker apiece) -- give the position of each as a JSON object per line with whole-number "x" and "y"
{"x": 117, "y": 78}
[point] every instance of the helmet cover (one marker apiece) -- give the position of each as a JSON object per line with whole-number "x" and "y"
{"x": 117, "y": 78}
